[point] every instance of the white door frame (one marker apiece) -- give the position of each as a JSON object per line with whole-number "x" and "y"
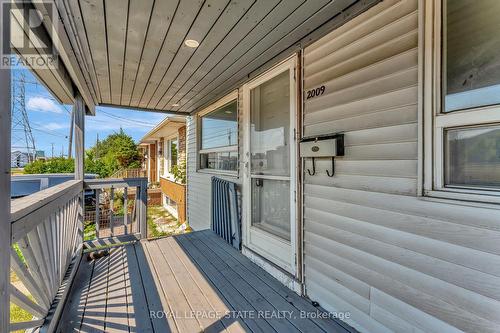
{"x": 271, "y": 247}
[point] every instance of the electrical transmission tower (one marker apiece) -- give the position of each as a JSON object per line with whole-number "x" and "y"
{"x": 22, "y": 136}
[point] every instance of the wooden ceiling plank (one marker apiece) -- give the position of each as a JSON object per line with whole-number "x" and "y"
{"x": 233, "y": 66}
{"x": 77, "y": 54}
{"x": 56, "y": 30}
{"x": 138, "y": 23}
{"x": 300, "y": 32}
{"x": 62, "y": 8}
{"x": 94, "y": 23}
{"x": 184, "y": 17}
{"x": 236, "y": 46}
{"x": 72, "y": 9}
{"x": 56, "y": 80}
{"x": 202, "y": 26}
{"x": 116, "y": 29}
{"x": 236, "y": 21}
{"x": 161, "y": 20}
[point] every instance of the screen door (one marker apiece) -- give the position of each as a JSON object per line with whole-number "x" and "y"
{"x": 269, "y": 103}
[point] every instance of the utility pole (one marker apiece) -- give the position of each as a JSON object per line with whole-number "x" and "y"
{"x": 97, "y": 146}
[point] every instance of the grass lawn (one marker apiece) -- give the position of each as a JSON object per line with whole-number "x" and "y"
{"x": 18, "y": 314}
{"x": 161, "y": 223}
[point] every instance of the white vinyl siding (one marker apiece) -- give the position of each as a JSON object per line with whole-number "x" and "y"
{"x": 395, "y": 261}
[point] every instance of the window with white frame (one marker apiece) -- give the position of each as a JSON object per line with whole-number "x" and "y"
{"x": 171, "y": 155}
{"x": 464, "y": 127}
{"x": 218, "y": 136}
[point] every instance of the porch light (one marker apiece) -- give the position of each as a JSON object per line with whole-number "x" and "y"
{"x": 175, "y": 105}
{"x": 191, "y": 43}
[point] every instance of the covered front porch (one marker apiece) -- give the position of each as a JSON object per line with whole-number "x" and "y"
{"x": 187, "y": 283}
{"x": 172, "y": 57}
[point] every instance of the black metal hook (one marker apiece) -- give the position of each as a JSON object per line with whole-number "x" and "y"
{"x": 333, "y": 168}
{"x": 314, "y": 169}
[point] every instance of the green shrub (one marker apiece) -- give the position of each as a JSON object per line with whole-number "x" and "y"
{"x": 179, "y": 172}
{"x": 53, "y": 165}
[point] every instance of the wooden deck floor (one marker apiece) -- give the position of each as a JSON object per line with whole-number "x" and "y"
{"x": 189, "y": 283}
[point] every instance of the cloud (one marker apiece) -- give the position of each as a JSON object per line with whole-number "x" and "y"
{"x": 55, "y": 126}
{"x": 43, "y": 104}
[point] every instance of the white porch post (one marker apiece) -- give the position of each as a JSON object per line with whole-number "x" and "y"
{"x": 5, "y": 227}
{"x": 79, "y": 135}
{"x": 79, "y": 132}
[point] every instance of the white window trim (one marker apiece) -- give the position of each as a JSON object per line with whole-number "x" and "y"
{"x": 161, "y": 158}
{"x": 166, "y": 156}
{"x": 435, "y": 121}
{"x": 233, "y": 96}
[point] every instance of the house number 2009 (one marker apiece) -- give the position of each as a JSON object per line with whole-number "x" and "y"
{"x": 315, "y": 92}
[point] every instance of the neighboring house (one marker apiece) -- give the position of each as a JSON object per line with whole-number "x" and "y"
{"x": 19, "y": 159}
{"x": 164, "y": 150}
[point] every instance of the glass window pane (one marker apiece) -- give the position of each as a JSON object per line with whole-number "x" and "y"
{"x": 173, "y": 152}
{"x": 219, "y": 128}
{"x": 219, "y": 161}
{"x": 270, "y": 126}
{"x": 473, "y": 157}
{"x": 471, "y": 56}
{"x": 271, "y": 206}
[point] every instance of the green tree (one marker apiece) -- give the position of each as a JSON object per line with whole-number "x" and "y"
{"x": 117, "y": 151}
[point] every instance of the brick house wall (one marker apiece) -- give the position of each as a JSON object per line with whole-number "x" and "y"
{"x": 182, "y": 145}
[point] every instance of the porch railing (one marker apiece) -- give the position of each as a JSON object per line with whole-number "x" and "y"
{"x": 47, "y": 241}
{"x": 129, "y": 173}
{"x": 46, "y": 237}
{"x": 118, "y": 212}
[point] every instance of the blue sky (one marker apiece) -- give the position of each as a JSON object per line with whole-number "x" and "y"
{"x": 50, "y": 120}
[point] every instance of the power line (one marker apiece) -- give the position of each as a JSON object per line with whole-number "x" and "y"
{"x": 49, "y": 133}
{"x": 128, "y": 120}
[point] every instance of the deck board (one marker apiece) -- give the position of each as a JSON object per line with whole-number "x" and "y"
{"x": 279, "y": 303}
{"x": 71, "y": 318}
{"x": 257, "y": 301}
{"x": 117, "y": 304}
{"x": 95, "y": 307}
{"x": 155, "y": 299}
{"x": 288, "y": 295}
{"x": 138, "y": 311}
{"x": 193, "y": 294}
{"x": 215, "y": 298}
{"x": 177, "y": 302}
{"x": 187, "y": 283}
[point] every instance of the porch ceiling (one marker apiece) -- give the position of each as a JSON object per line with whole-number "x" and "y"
{"x": 134, "y": 52}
